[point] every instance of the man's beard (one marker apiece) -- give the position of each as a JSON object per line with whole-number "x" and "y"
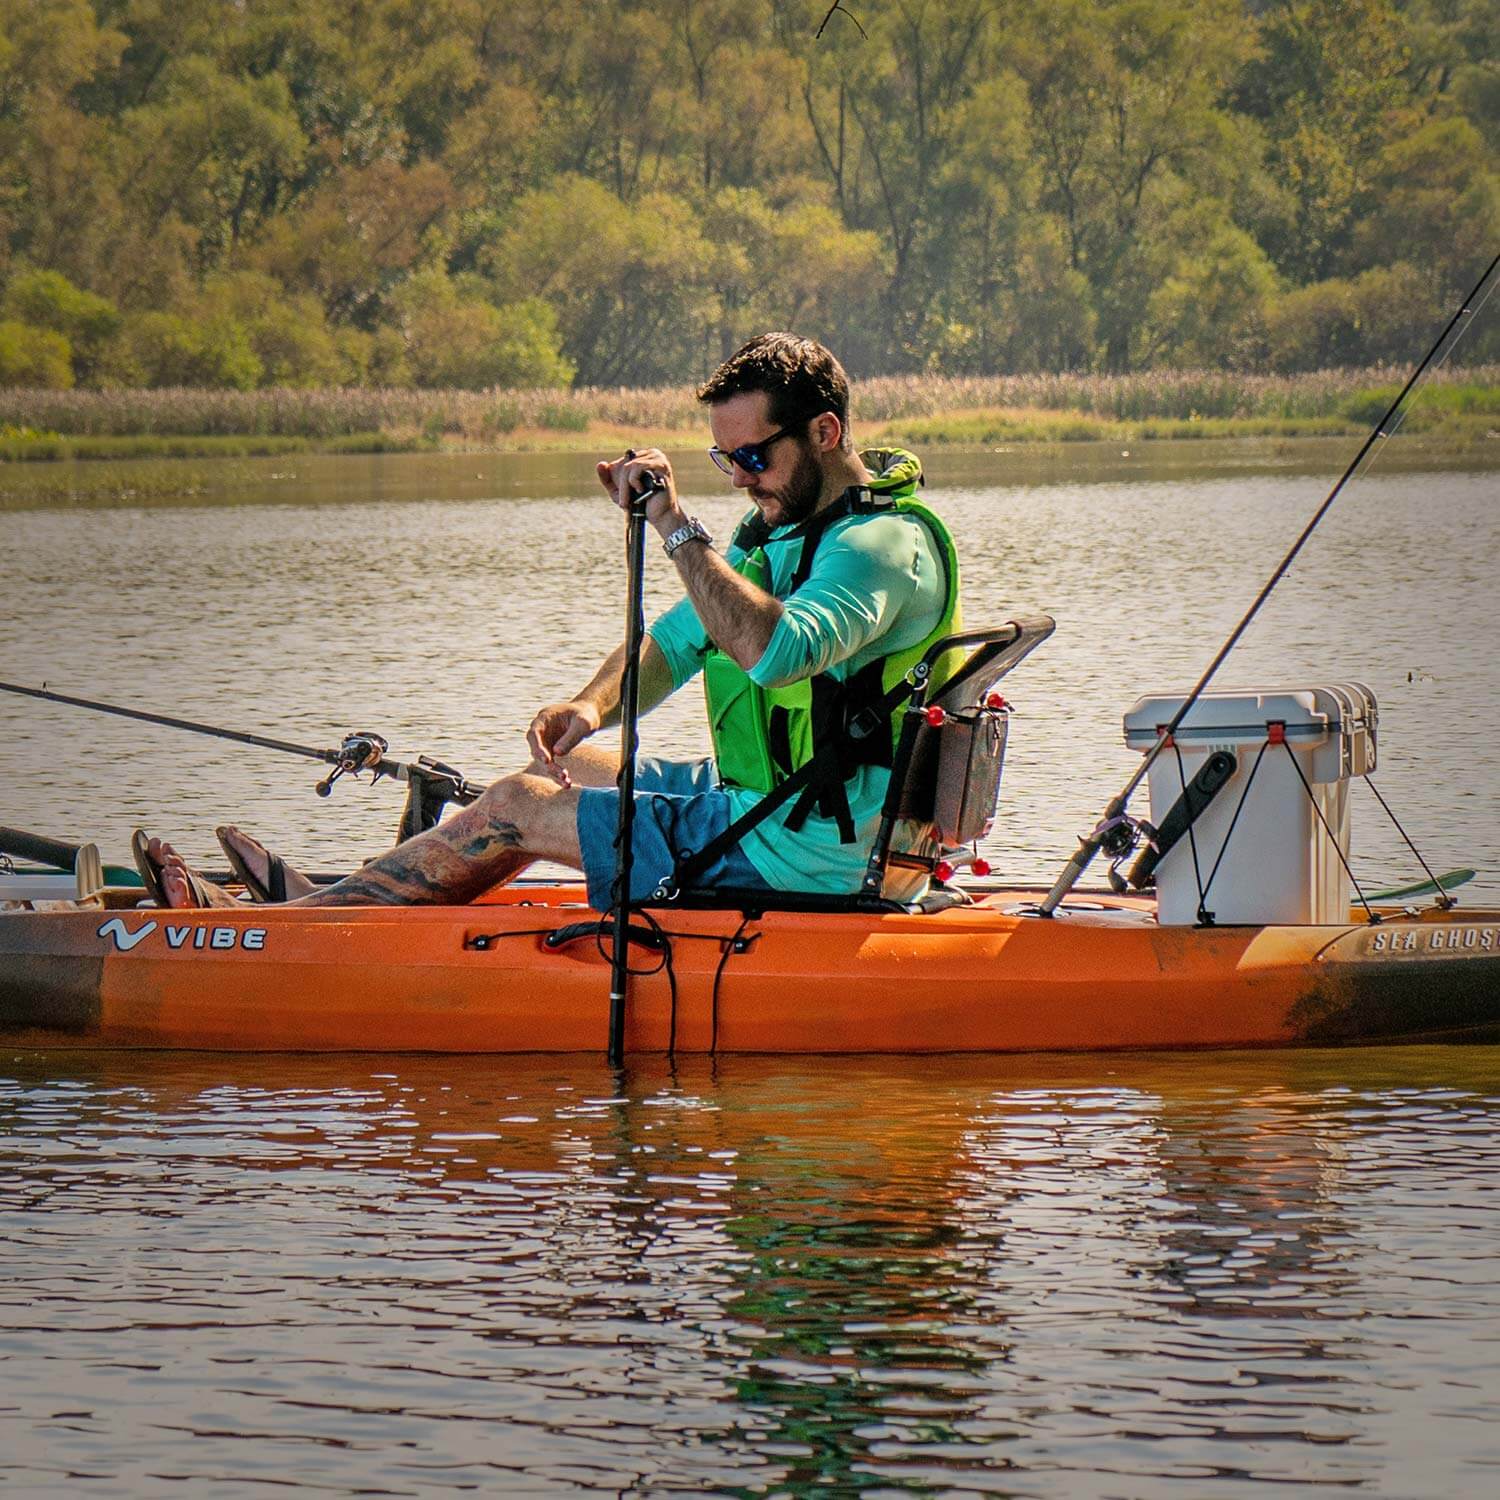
{"x": 798, "y": 497}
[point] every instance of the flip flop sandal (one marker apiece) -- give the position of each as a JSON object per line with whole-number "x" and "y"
{"x": 268, "y": 892}
{"x": 150, "y": 873}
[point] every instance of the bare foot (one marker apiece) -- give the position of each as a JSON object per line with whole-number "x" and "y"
{"x": 252, "y": 859}
{"x": 182, "y": 888}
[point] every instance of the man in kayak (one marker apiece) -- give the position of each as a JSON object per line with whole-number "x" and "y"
{"x": 832, "y": 587}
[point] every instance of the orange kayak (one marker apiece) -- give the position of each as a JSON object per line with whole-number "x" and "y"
{"x": 526, "y": 971}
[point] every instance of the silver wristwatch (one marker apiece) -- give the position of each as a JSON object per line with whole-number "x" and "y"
{"x": 693, "y": 530}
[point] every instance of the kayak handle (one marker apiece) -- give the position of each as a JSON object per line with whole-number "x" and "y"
{"x": 575, "y": 932}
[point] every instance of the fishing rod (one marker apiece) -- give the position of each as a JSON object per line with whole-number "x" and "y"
{"x": 1114, "y": 823}
{"x": 358, "y": 752}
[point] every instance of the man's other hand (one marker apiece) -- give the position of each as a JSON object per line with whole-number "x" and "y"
{"x": 557, "y": 729}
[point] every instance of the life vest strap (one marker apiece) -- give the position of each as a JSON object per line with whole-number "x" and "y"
{"x": 842, "y": 716}
{"x": 689, "y": 869}
{"x": 814, "y": 781}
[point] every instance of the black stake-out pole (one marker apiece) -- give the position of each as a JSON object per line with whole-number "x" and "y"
{"x": 630, "y": 692}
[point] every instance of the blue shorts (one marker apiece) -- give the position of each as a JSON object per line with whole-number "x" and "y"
{"x": 678, "y": 809}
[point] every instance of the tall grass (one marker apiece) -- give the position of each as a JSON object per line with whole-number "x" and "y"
{"x": 1186, "y": 395}
{"x": 1029, "y": 425}
{"x": 26, "y": 445}
{"x": 282, "y": 412}
{"x": 1182, "y": 395}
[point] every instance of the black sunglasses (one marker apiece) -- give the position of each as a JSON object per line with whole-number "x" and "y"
{"x": 752, "y": 456}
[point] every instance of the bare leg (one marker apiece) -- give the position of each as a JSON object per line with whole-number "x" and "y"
{"x": 587, "y": 765}
{"x": 518, "y": 820}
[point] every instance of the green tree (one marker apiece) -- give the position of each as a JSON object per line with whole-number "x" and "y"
{"x": 1325, "y": 82}
{"x": 286, "y": 332}
{"x": 1035, "y": 312}
{"x": 887, "y": 110}
{"x": 1434, "y": 201}
{"x": 632, "y": 282}
{"x": 1007, "y": 298}
{"x": 728, "y": 100}
{"x": 47, "y": 299}
{"x": 455, "y": 337}
{"x": 34, "y": 357}
{"x": 1128, "y": 125}
{"x": 792, "y": 266}
{"x": 170, "y": 349}
{"x": 353, "y": 239}
{"x": 1211, "y": 311}
{"x": 1385, "y": 315}
{"x": 210, "y": 154}
{"x": 1454, "y": 58}
{"x": 55, "y": 195}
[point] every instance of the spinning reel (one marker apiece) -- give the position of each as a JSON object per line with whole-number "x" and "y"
{"x": 1119, "y": 837}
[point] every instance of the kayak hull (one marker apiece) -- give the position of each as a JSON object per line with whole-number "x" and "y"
{"x": 495, "y": 978}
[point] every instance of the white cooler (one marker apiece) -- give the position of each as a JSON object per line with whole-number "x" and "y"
{"x": 1281, "y": 865}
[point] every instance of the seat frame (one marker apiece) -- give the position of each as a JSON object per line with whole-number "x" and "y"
{"x": 995, "y": 652}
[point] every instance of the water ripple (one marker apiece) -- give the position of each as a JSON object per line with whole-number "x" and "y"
{"x": 1050, "y": 1277}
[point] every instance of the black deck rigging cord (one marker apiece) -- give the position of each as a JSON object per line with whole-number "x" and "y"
{"x": 1205, "y": 917}
{"x": 1090, "y": 844}
{"x": 1260, "y": 755}
{"x": 1337, "y": 848}
{"x": 1445, "y": 902}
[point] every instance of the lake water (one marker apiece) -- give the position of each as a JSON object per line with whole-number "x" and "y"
{"x": 1081, "y": 1277}
{"x": 440, "y": 600}
{"x": 1073, "y": 1277}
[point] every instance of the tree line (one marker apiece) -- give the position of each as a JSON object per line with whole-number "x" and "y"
{"x": 470, "y": 193}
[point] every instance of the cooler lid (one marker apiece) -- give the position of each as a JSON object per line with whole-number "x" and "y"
{"x": 1235, "y": 715}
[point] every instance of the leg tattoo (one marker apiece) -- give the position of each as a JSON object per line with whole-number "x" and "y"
{"x": 493, "y": 837}
{"x": 450, "y": 864}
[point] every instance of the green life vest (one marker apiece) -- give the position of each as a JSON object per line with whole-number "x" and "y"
{"x": 762, "y": 735}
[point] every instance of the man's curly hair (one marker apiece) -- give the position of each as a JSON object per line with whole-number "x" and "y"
{"x": 801, "y": 377}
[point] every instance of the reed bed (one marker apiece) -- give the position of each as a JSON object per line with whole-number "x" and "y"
{"x": 491, "y": 416}
{"x": 283, "y": 412}
{"x": 1027, "y": 425}
{"x": 1180, "y": 395}
{"x": 22, "y": 445}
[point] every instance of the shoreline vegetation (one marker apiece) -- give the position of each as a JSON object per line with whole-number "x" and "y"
{"x": 489, "y": 193}
{"x": 1459, "y": 407}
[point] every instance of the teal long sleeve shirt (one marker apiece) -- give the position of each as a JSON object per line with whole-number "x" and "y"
{"x": 876, "y": 587}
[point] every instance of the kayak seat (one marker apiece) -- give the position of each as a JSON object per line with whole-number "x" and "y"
{"x": 944, "y": 773}
{"x": 946, "y": 769}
